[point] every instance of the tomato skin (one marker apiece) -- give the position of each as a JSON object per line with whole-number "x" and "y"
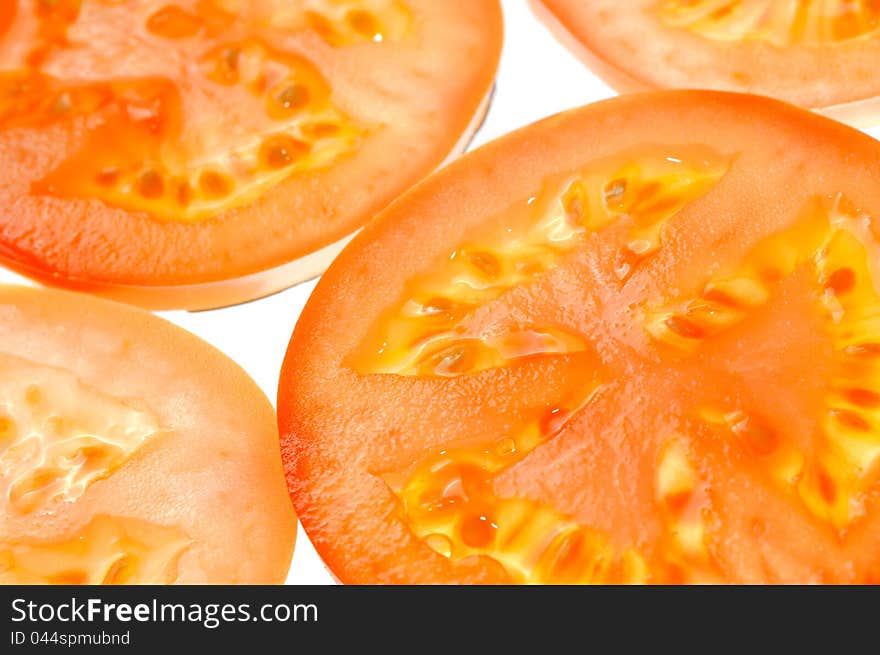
{"x": 833, "y": 78}
{"x": 415, "y": 99}
{"x": 195, "y": 489}
{"x": 344, "y": 431}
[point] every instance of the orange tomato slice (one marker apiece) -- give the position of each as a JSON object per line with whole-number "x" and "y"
{"x": 632, "y": 343}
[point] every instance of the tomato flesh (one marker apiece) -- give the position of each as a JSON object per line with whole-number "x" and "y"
{"x": 648, "y": 357}
{"x": 108, "y": 418}
{"x": 168, "y": 145}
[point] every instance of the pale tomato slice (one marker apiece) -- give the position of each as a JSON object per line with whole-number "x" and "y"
{"x": 197, "y": 153}
{"x": 819, "y": 54}
{"x": 131, "y": 452}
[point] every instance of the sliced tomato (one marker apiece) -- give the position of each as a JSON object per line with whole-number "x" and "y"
{"x": 131, "y": 452}
{"x": 820, "y": 55}
{"x": 202, "y": 152}
{"x": 635, "y": 342}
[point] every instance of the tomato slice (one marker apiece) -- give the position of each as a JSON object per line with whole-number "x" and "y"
{"x": 201, "y": 152}
{"x": 817, "y": 54}
{"x": 635, "y": 342}
{"x": 131, "y": 452}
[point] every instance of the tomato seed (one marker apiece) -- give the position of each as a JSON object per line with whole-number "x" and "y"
{"x": 365, "y": 24}
{"x": 851, "y": 420}
{"x": 214, "y": 184}
{"x": 150, "y": 184}
{"x": 282, "y": 151}
{"x": 841, "y": 281}
{"x": 862, "y": 397}
{"x": 292, "y": 98}
{"x": 684, "y": 328}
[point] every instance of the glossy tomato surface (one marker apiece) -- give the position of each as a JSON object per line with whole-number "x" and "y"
{"x": 634, "y": 342}
{"x": 819, "y": 54}
{"x": 202, "y": 152}
{"x": 131, "y": 452}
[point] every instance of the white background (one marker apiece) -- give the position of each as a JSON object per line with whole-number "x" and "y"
{"x": 538, "y": 77}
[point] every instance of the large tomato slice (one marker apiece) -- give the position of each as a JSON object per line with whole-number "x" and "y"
{"x": 199, "y": 152}
{"x": 131, "y": 452}
{"x": 635, "y": 342}
{"x": 814, "y": 53}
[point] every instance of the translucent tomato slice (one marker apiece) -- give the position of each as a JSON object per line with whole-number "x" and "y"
{"x": 201, "y": 152}
{"x": 131, "y": 452}
{"x": 818, "y": 54}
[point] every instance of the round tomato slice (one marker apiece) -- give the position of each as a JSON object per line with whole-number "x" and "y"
{"x": 634, "y": 342}
{"x": 198, "y": 153}
{"x": 131, "y": 452}
{"x": 820, "y": 55}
